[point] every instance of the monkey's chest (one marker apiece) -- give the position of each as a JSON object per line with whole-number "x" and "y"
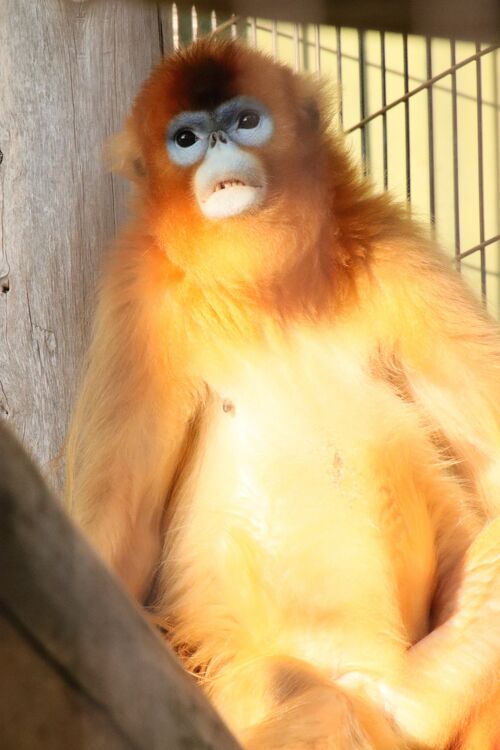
{"x": 301, "y": 497}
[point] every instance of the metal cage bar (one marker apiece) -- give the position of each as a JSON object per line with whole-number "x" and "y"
{"x": 194, "y": 23}
{"x": 424, "y": 85}
{"x": 252, "y": 24}
{"x": 406, "y": 78}
{"x": 338, "y": 38}
{"x": 362, "y": 99}
{"x": 296, "y": 47}
{"x": 430, "y": 133}
{"x": 478, "y": 250}
{"x": 480, "y": 170}
{"x": 175, "y": 27}
{"x": 274, "y": 36}
{"x": 383, "y": 86}
{"x": 317, "y": 48}
{"x": 456, "y": 184}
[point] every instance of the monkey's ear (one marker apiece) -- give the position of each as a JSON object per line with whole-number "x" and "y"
{"x": 123, "y": 156}
{"x": 312, "y": 112}
{"x": 307, "y": 91}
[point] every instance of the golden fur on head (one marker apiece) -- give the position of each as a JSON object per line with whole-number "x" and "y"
{"x": 290, "y": 428}
{"x": 306, "y": 164}
{"x": 243, "y": 247}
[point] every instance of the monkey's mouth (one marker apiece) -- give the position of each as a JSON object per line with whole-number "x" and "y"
{"x": 231, "y": 183}
{"x": 225, "y": 191}
{"x": 231, "y": 196}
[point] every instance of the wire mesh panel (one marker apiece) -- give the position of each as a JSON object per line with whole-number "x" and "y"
{"x": 422, "y": 116}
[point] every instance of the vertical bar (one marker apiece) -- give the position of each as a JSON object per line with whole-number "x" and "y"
{"x": 430, "y": 135}
{"x": 362, "y": 92}
{"x": 175, "y": 26}
{"x": 296, "y": 47}
{"x": 456, "y": 184}
{"x": 317, "y": 48}
{"x": 194, "y": 23}
{"x": 166, "y": 29}
{"x": 384, "y": 104}
{"x": 480, "y": 169}
{"x": 234, "y": 28}
{"x": 407, "y": 118}
{"x": 274, "y": 38}
{"x": 160, "y": 33}
{"x": 213, "y": 20}
{"x": 338, "y": 36}
{"x": 253, "y": 31}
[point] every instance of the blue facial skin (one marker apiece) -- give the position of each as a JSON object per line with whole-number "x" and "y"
{"x": 229, "y": 179}
{"x": 227, "y": 118}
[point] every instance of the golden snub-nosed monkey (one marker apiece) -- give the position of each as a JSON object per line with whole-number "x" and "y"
{"x": 288, "y": 436}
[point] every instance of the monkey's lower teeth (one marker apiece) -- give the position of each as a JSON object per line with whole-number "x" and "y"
{"x": 228, "y": 183}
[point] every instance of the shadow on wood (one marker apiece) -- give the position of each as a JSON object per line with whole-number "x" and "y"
{"x": 80, "y": 666}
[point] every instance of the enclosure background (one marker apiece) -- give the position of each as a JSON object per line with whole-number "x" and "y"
{"x": 69, "y": 71}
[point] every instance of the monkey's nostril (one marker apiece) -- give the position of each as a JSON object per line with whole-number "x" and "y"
{"x": 218, "y": 135}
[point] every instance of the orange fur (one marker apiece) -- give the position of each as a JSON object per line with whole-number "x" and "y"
{"x": 290, "y": 429}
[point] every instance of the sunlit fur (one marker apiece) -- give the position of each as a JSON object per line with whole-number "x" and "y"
{"x": 288, "y": 436}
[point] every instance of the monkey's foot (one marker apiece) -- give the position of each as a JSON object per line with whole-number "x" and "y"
{"x": 322, "y": 718}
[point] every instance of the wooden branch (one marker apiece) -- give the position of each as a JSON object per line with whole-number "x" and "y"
{"x": 80, "y": 666}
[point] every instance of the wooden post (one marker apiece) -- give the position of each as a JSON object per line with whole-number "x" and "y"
{"x": 69, "y": 71}
{"x": 80, "y": 666}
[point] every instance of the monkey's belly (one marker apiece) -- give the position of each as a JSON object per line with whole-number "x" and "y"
{"x": 305, "y": 525}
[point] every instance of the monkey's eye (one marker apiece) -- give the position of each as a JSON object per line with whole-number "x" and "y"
{"x": 185, "y": 138}
{"x": 248, "y": 119}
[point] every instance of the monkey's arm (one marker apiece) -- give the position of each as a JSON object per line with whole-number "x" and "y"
{"x": 450, "y": 356}
{"x": 129, "y": 429}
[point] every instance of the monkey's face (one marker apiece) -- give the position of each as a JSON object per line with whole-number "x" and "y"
{"x": 228, "y": 146}
{"x": 229, "y": 178}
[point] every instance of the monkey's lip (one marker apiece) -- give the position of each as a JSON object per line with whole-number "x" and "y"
{"x": 232, "y": 195}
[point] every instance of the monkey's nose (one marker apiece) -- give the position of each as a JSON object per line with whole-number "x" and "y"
{"x": 218, "y": 135}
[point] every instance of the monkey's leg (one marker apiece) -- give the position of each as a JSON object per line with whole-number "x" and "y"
{"x": 483, "y": 728}
{"x": 452, "y": 672}
{"x": 460, "y": 660}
